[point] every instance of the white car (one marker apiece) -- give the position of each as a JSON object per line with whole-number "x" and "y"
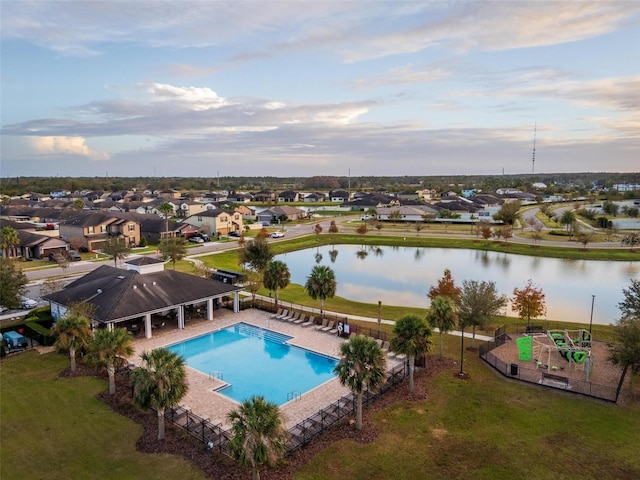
{"x": 366, "y": 217}
{"x": 28, "y": 303}
{"x": 277, "y": 235}
{"x": 196, "y": 240}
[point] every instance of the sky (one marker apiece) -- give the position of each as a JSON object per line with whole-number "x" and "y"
{"x": 304, "y": 88}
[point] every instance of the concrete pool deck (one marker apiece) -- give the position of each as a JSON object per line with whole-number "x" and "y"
{"x": 206, "y": 403}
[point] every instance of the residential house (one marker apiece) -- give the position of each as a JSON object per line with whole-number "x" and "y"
{"x": 154, "y": 228}
{"x": 248, "y": 213}
{"x": 168, "y": 194}
{"x": 217, "y": 222}
{"x": 239, "y": 197}
{"x": 90, "y": 230}
{"x": 187, "y": 208}
{"x": 427, "y": 194}
{"x": 314, "y": 197}
{"x": 143, "y": 297}
{"x": 370, "y": 200}
{"x": 264, "y": 196}
{"x": 281, "y": 213}
{"x": 30, "y": 243}
{"x": 339, "y": 196}
{"x": 407, "y": 195}
{"x": 288, "y": 196}
{"x": 407, "y": 213}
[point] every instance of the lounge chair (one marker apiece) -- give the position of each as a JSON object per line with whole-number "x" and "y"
{"x": 311, "y": 321}
{"x": 328, "y": 327}
{"x": 324, "y": 324}
{"x": 300, "y": 320}
{"x": 274, "y": 315}
{"x": 284, "y": 314}
{"x": 293, "y": 317}
{"x": 333, "y": 331}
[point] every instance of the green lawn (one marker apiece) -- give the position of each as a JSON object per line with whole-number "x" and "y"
{"x": 56, "y": 428}
{"x": 489, "y": 428}
{"x": 485, "y": 427}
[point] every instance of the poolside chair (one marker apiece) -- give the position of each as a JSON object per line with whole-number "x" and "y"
{"x": 285, "y": 313}
{"x": 333, "y": 331}
{"x": 324, "y": 324}
{"x": 301, "y": 320}
{"x": 274, "y": 315}
{"x": 328, "y": 327}
{"x": 311, "y": 321}
{"x": 293, "y": 317}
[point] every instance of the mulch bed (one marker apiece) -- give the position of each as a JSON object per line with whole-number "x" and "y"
{"x": 218, "y": 466}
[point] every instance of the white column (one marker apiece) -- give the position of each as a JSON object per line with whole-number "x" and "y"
{"x": 210, "y": 309}
{"x": 181, "y": 316}
{"x": 147, "y": 325}
{"x": 236, "y": 302}
{"x": 110, "y": 326}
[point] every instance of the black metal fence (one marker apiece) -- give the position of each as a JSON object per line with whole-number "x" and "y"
{"x": 545, "y": 378}
{"x": 214, "y": 436}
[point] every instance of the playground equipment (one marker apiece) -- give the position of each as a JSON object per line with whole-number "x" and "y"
{"x": 574, "y": 346}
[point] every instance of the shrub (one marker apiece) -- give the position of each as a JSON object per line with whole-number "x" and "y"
{"x": 143, "y": 242}
{"x": 560, "y": 233}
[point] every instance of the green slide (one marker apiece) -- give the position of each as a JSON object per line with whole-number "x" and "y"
{"x": 525, "y": 345}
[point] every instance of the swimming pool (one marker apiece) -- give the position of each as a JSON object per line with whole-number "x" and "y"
{"x": 256, "y": 361}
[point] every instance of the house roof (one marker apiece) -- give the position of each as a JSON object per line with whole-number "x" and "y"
{"x": 119, "y": 294}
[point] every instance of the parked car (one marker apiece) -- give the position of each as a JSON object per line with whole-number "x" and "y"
{"x": 14, "y": 341}
{"x": 366, "y": 217}
{"x": 196, "y": 240}
{"x": 70, "y": 255}
{"x": 74, "y": 256}
{"x": 28, "y": 303}
{"x": 204, "y": 237}
{"x": 277, "y": 235}
{"x": 234, "y": 234}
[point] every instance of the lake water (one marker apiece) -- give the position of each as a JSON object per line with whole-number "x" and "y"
{"x": 403, "y": 276}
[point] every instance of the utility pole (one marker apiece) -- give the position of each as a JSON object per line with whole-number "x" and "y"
{"x": 533, "y": 160}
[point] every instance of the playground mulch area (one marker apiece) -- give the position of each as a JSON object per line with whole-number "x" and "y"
{"x": 603, "y": 373}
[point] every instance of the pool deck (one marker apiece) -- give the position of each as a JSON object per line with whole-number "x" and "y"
{"x": 206, "y": 403}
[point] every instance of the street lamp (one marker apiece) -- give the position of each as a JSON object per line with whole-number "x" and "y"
{"x": 593, "y": 298}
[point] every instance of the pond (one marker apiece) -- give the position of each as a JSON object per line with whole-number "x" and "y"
{"x": 403, "y": 276}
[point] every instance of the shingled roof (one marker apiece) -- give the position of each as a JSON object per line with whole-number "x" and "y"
{"x": 119, "y": 294}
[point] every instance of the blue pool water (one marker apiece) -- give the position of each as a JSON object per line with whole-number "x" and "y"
{"x": 256, "y": 361}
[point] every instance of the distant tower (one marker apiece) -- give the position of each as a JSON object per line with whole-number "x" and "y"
{"x": 533, "y": 159}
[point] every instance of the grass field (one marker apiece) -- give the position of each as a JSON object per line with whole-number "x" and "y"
{"x": 56, "y": 428}
{"x": 485, "y": 427}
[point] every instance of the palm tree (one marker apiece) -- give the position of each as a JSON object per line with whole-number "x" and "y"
{"x": 441, "y": 316}
{"x": 362, "y": 366}
{"x": 109, "y": 349}
{"x": 411, "y": 339}
{"x": 258, "y": 434}
{"x": 321, "y": 284}
{"x": 160, "y": 383}
{"x": 276, "y": 276}
{"x": 74, "y": 333}
{"x": 166, "y": 209}
{"x": 8, "y": 240}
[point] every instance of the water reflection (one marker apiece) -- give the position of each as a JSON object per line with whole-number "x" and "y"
{"x": 403, "y": 275}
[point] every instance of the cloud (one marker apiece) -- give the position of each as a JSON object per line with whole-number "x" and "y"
{"x": 407, "y": 74}
{"x": 498, "y": 25}
{"x": 355, "y": 30}
{"x": 195, "y": 98}
{"x": 65, "y": 146}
